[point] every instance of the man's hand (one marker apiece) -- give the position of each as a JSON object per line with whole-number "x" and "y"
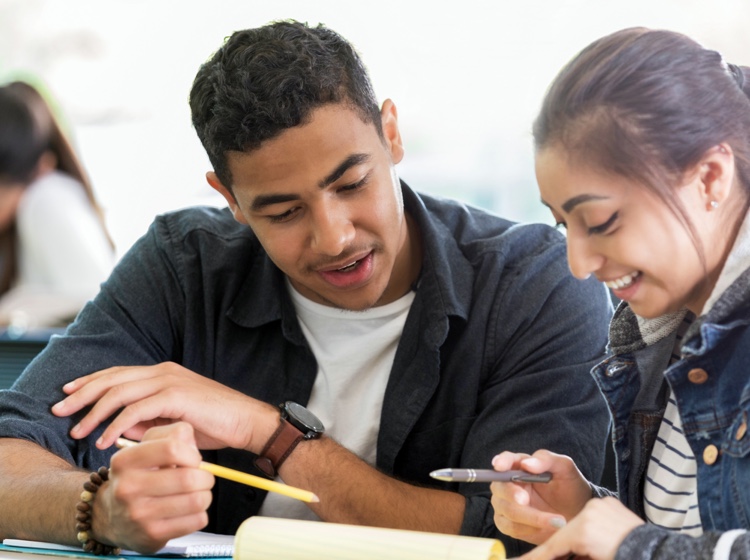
{"x": 533, "y": 512}
{"x": 158, "y": 395}
{"x": 155, "y": 492}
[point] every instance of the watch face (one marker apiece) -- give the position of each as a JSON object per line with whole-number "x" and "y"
{"x": 302, "y": 416}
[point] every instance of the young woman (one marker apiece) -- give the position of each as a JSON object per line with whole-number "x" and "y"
{"x": 54, "y": 247}
{"x": 643, "y": 155}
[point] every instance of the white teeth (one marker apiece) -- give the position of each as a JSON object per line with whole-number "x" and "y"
{"x": 348, "y": 266}
{"x": 622, "y": 282}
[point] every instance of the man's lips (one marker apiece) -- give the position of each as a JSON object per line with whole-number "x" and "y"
{"x": 350, "y": 273}
{"x": 344, "y": 264}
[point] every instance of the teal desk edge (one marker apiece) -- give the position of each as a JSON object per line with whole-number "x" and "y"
{"x": 82, "y": 554}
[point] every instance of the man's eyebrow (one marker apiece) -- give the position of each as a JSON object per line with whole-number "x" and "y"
{"x": 351, "y": 161}
{"x": 568, "y": 205}
{"x": 263, "y": 200}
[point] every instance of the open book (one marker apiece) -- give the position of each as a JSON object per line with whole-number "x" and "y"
{"x": 269, "y": 538}
{"x": 199, "y": 544}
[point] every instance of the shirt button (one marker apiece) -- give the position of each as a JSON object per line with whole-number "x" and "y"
{"x": 697, "y": 376}
{"x": 710, "y": 454}
{"x": 741, "y": 431}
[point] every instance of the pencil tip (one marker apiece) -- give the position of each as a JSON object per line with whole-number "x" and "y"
{"x": 314, "y": 499}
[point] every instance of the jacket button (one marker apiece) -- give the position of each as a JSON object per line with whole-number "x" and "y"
{"x": 741, "y": 431}
{"x": 697, "y": 376}
{"x": 614, "y": 369}
{"x": 710, "y": 454}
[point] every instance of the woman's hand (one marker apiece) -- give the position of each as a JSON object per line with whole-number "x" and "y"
{"x": 532, "y": 512}
{"x": 595, "y": 533}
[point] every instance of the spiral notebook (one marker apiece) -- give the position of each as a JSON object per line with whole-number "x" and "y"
{"x": 196, "y": 545}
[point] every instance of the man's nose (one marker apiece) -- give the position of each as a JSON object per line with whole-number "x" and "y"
{"x": 332, "y": 230}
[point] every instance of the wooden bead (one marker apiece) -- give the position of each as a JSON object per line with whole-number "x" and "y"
{"x": 84, "y": 509}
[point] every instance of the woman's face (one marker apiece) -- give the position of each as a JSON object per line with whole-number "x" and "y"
{"x": 627, "y": 237}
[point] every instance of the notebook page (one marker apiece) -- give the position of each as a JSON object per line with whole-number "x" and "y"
{"x": 269, "y": 538}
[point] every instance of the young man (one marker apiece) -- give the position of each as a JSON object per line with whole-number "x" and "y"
{"x": 421, "y": 333}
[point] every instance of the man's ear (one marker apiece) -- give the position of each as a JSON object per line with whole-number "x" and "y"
{"x": 391, "y": 133}
{"x": 219, "y": 187}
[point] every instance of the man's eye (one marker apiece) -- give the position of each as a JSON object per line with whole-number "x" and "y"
{"x": 283, "y": 217}
{"x": 354, "y": 186}
{"x": 602, "y": 228}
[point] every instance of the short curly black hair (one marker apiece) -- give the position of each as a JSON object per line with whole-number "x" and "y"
{"x": 265, "y": 80}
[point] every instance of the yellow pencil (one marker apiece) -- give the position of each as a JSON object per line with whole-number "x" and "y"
{"x": 244, "y": 478}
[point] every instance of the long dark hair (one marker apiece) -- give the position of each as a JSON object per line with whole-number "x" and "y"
{"x": 647, "y": 105}
{"x": 29, "y": 128}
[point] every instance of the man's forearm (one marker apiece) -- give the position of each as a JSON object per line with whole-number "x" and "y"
{"x": 351, "y": 491}
{"x": 38, "y": 493}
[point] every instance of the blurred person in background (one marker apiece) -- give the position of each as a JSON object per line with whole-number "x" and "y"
{"x": 54, "y": 246}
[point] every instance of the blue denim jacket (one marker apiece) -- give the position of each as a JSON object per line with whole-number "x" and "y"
{"x": 495, "y": 354}
{"x": 715, "y": 411}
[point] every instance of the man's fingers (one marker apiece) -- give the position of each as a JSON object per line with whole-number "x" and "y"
{"x": 76, "y": 384}
{"x": 161, "y": 487}
{"x": 156, "y": 453}
{"x": 93, "y": 388}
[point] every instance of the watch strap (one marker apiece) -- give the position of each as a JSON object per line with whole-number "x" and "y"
{"x": 279, "y": 446}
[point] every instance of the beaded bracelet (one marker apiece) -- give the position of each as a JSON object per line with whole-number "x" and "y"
{"x": 83, "y": 516}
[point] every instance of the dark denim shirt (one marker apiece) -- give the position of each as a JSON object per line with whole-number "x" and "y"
{"x": 714, "y": 412}
{"x": 495, "y": 354}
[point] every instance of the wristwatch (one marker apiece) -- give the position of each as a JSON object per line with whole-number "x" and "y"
{"x": 296, "y": 424}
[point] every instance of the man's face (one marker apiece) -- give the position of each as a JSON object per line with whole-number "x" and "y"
{"x": 325, "y": 202}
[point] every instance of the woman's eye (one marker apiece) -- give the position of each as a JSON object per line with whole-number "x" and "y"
{"x": 603, "y": 228}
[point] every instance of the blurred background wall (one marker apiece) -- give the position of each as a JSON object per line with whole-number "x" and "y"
{"x": 467, "y": 77}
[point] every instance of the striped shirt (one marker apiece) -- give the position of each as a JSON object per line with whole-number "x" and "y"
{"x": 670, "y": 493}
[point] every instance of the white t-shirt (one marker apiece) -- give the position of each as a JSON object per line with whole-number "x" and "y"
{"x": 354, "y": 351}
{"x": 63, "y": 253}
